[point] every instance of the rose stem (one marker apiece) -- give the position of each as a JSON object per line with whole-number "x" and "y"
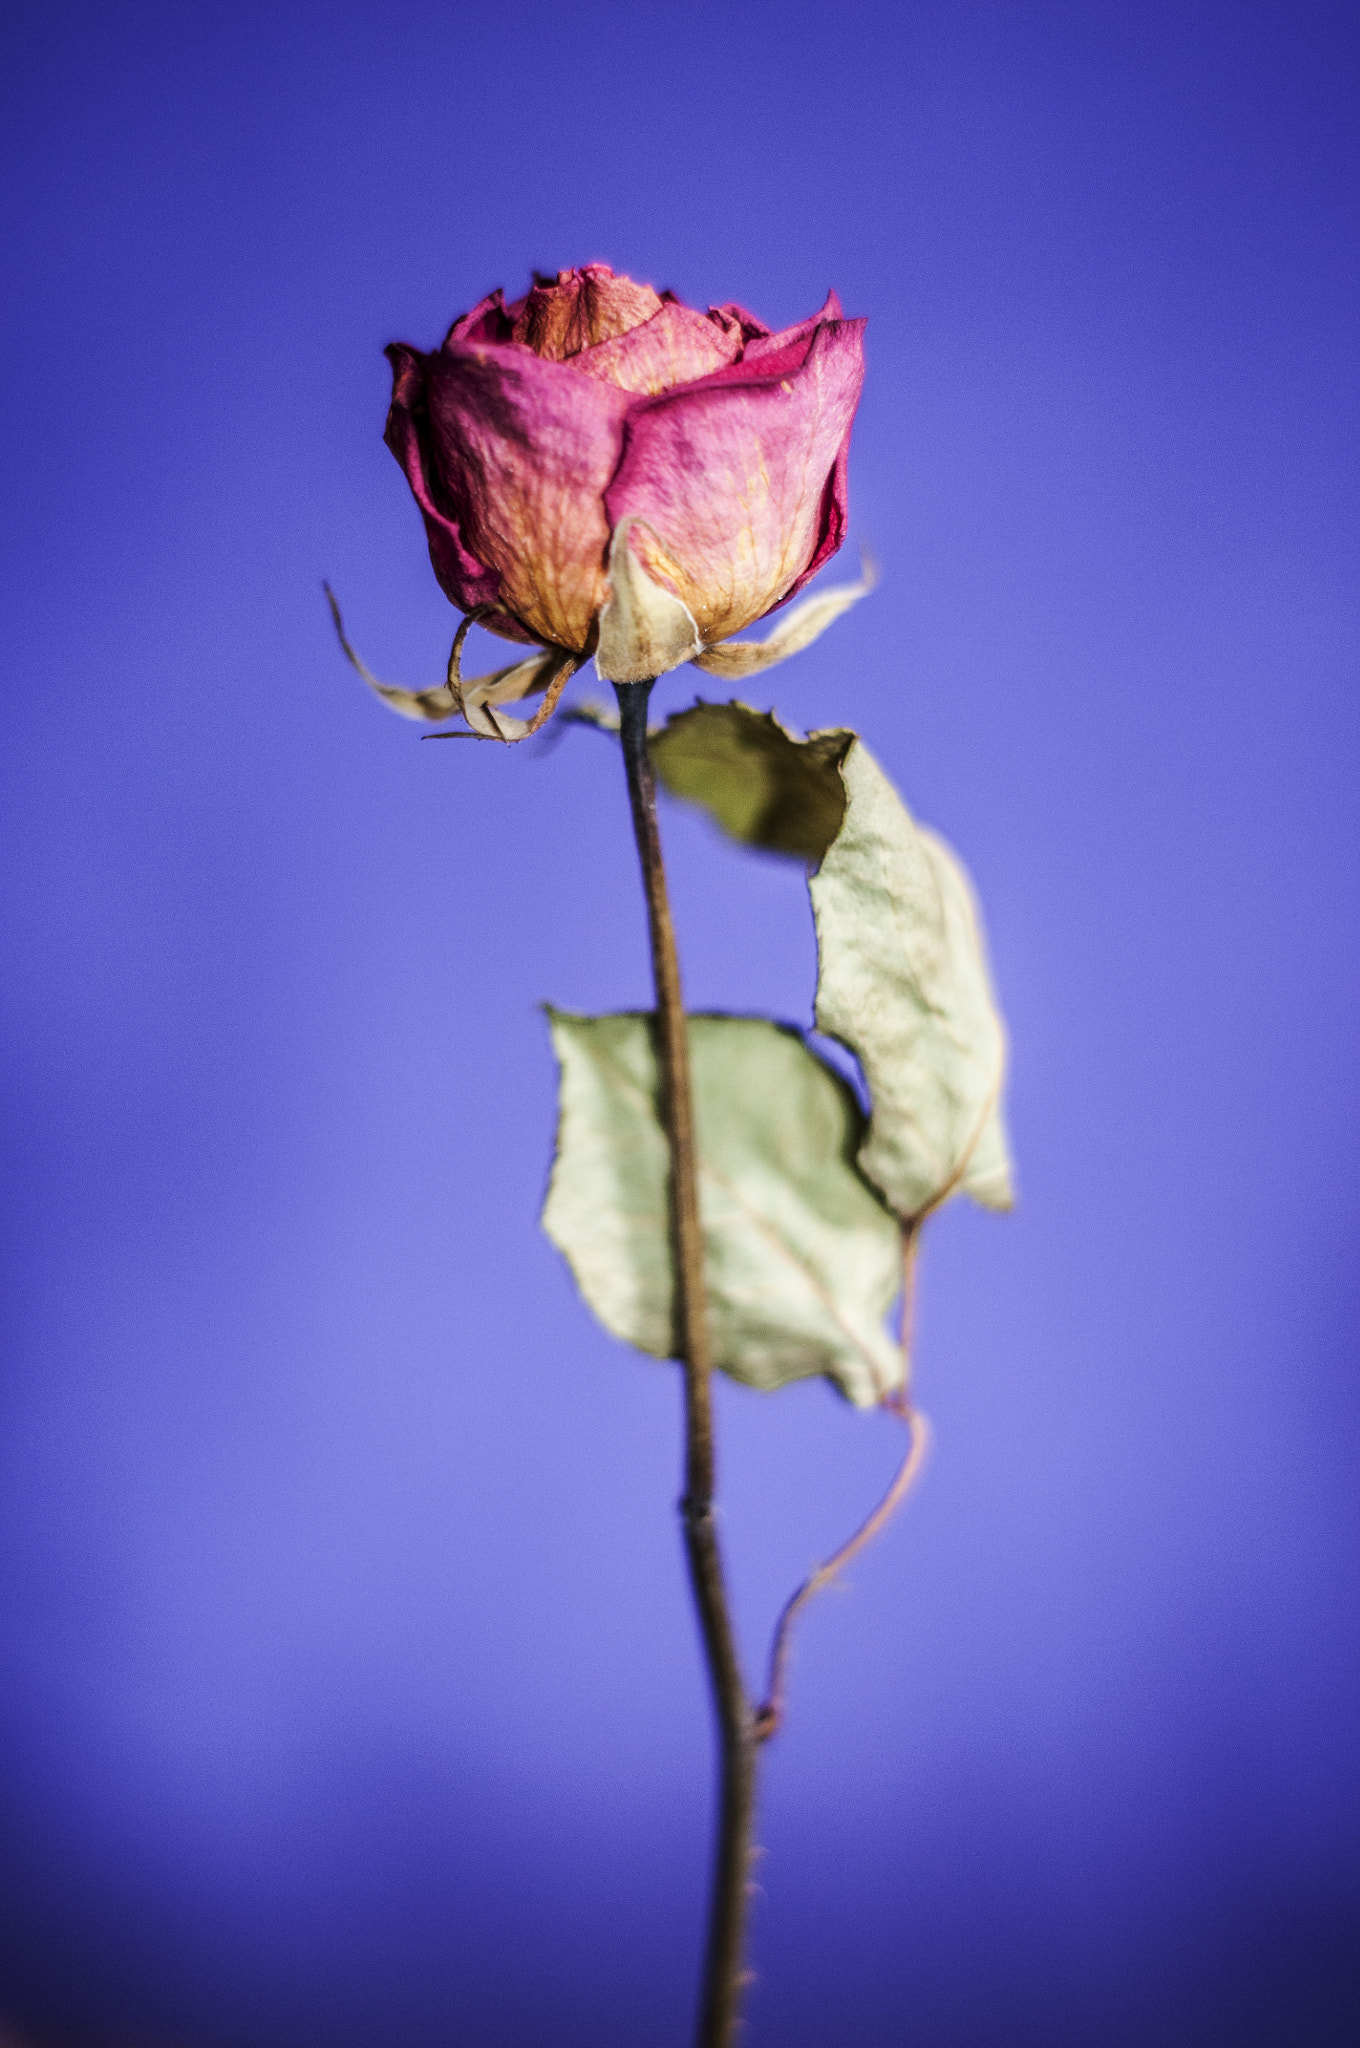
{"x": 736, "y": 1722}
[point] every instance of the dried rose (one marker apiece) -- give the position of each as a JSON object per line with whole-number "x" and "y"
{"x": 603, "y": 470}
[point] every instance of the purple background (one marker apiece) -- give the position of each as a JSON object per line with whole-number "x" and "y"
{"x": 349, "y": 1691}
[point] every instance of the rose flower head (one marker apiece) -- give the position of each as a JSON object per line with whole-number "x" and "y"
{"x": 603, "y": 470}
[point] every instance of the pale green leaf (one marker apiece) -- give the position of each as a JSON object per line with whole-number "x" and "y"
{"x": 802, "y": 1259}
{"x": 902, "y": 971}
{"x": 903, "y": 982}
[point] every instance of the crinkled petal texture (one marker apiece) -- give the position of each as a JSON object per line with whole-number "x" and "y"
{"x": 595, "y": 406}
{"x": 737, "y": 481}
{"x": 582, "y": 308}
{"x": 676, "y": 346}
{"x": 524, "y": 450}
{"x": 464, "y": 580}
{"x": 528, "y": 448}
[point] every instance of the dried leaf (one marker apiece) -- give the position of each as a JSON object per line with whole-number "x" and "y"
{"x": 762, "y": 786}
{"x": 903, "y": 982}
{"x": 902, "y": 971}
{"x": 802, "y": 1259}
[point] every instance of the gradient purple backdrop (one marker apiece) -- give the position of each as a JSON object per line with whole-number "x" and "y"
{"x": 349, "y": 1693}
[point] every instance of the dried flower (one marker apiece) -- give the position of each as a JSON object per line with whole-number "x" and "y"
{"x": 603, "y": 470}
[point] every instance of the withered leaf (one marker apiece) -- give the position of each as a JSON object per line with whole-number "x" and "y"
{"x": 802, "y": 1258}
{"x": 902, "y": 971}
{"x": 902, "y": 980}
{"x": 762, "y": 786}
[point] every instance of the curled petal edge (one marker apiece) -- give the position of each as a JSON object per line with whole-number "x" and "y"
{"x": 476, "y": 700}
{"x": 732, "y": 660}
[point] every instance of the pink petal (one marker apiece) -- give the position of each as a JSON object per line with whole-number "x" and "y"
{"x": 488, "y": 321}
{"x": 791, "y": 344}
{"x": 524, "y": 450}
{"x": 464, "y": 580}
{"x": 675, "y": 346}
{"x": 738, "y": 480}
{"x": 751, "y": 327}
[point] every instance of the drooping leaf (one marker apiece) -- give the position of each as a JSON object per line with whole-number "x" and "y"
{"x": 902, "y": 970}
{"x": 802, "y": 1258}
{"x": 903, "y": 982}
{"x": 762, "y": 786}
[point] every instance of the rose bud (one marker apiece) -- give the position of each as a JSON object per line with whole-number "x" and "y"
{"x": 603, "y": 470}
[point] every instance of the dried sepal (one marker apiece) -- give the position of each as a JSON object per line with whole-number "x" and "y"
{"x": 645, "y": 630}
{"x": 733, "y": 660}
{"x": 549, "y": 673}
{"x": 476, "y": 700}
